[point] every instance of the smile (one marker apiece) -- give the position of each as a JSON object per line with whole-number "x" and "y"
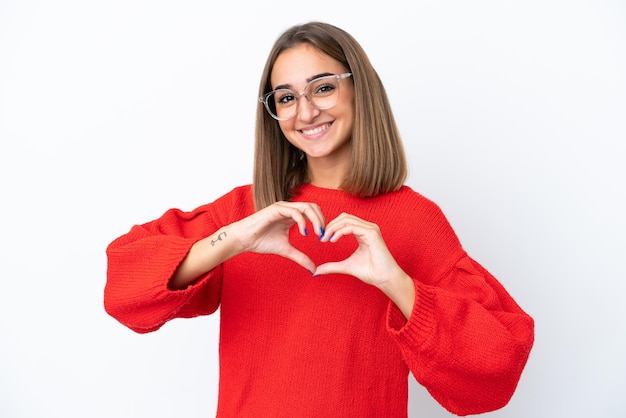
{"x": 317, "y": 130}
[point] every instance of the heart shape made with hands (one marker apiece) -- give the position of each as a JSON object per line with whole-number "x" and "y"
{"x": 321, "y": 251}
{"x": 349, "y": 245}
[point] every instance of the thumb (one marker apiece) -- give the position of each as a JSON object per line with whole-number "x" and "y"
{"x": 300, "y": 258}
{"x": 336, "y": 267}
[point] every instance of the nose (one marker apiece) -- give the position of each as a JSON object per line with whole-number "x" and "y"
{"x": 306, "y": 111}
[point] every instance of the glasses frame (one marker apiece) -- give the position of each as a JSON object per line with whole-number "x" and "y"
{"x": 264, "y": 99}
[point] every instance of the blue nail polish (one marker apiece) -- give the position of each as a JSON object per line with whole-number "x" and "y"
{"x": 322, "y": 231}
{"x": 305, "y": 232}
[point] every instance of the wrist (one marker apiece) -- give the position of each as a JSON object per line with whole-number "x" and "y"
{"x": 401, "y": 291}
{"x": 223, "y": 243}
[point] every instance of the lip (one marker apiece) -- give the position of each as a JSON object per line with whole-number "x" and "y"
{"x": 316, "y": 131}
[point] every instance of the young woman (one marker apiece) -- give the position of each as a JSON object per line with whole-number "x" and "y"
{"x": 333, "y": 278}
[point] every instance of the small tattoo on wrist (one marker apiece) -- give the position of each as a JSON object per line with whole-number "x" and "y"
{"x": 219, "y": 238}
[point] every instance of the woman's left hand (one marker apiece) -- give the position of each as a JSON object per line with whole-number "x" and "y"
{"x": 371, "y": 262}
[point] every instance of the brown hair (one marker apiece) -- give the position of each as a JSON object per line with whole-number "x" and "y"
{"x": 378, "y": 159}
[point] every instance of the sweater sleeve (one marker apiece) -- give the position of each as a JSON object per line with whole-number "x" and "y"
{"x": 466, "y": 341}
{"x": 141, "y": 263}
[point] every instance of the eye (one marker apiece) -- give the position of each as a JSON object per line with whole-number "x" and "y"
{"x": 323, "y": 87}
{"x": 284, "y": 97}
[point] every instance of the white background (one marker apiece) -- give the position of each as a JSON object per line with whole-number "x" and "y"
{"x": 112, "y": 112}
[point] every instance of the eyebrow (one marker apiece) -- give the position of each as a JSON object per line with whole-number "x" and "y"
{"x": 308, "y": 80}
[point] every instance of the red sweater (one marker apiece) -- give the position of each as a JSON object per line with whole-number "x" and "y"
{"x": 294, "y": 345}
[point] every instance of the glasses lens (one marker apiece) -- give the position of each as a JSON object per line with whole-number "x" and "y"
{"x": 323, "y": 92}
{"x": 281, "y": 103}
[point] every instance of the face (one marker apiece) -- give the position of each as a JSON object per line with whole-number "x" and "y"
{"x": 323, "y": 135}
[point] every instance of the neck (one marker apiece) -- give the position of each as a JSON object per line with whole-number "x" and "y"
{"x": 326, "y": 174}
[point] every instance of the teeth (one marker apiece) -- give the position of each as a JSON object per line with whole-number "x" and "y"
{"x": 316, "y": 130}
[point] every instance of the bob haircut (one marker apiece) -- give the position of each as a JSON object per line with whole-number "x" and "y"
{"x": 378, "y": 159}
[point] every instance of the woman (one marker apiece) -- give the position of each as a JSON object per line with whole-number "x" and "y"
{"x": 333, "y": 278}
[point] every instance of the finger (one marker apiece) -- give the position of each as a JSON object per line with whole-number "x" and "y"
{"x": 306, "y": 211}
{"x": 332, "y": 227}
{"x": 314, "y": 214}
{"x": 335, "y": 267}
{"x": 288, "y": 210}
{"x": 318, "y": 220}
{"x": 347, "y": 225}
{"x": 300, "y": 258}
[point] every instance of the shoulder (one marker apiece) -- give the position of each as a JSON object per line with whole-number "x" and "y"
{"x": 407, "y": 199}
{"x": 415, "y": 212}
{"x": 410, "y": 213}
{"x": 225, "y": 209}
{"x": 240, "y": 193}
{"x": 231, "y": 206}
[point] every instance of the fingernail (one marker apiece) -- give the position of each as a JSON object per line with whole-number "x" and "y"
{"x": 322, "y": 231}
{"x": 305, "y": 232}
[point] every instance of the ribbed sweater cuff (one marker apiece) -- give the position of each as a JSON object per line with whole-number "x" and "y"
{"x": 140, "y": 297}
{"x": 420, "y": 327}
{"x": 177, "y": 249}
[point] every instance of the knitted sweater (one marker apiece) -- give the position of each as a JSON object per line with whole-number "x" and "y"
{"x": 295, "y": 345}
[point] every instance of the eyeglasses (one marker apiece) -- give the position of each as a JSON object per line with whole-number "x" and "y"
{"x": 321, "y": 92}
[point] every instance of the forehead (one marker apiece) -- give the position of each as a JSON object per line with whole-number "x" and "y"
{"x": 295, "y": 65}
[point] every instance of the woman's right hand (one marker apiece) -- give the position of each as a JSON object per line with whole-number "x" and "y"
{"x": 267, "y": 231}
{"x": 263, "y": 232}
